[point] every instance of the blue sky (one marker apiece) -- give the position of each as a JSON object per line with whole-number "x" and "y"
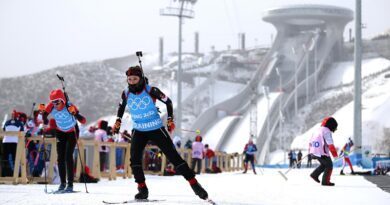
{"x": 41, "y": 34}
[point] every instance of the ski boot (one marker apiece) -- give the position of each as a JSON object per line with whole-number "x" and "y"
{"x": 69, "y": 188}
{"x": 198, "y": 189}
{"x": 61, "y": 187}
{"x": 315, "y": 178}
{"x": 328, "y": 184}
{"x": 245, "y": 168}
{"x": 342, "y": 172}
{"x": 143, "y": 192}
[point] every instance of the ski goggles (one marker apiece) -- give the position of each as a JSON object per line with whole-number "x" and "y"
{"x": 56, "y": 101}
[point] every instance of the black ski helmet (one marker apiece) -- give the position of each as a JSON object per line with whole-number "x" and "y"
{"x": 136, "y": 71}
{"x": 330, "y": 123}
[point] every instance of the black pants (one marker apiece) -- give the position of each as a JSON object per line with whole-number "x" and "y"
{"x": 103, "y": 161}
{"x": 251, "y": 159}
{"x": 161, "y": 138}
{"x": 196, "y": 162}
{"x": 326, "y": 166}
{"x": 8, "y": 149}
{"x": 66, "y": 142}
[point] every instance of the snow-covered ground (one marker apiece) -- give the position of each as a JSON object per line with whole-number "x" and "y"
{"x": 226, "y": 188}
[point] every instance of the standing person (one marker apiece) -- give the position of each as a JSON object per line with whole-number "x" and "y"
{"x": 197, "y": 154}
{"x": 345, "y": 153}
{"x": 290, "y": 159}
{"x": 249, "y": 150}
{"x": 10, "y": 143}
{"x": 140, "y": 99}
{"x": 299, "y": 159}
{"x": 319, "y": 146}
{"x": 101, "y": 136}
{"x": 209, "y": 155}
{"x": 309, "y": 158}
{"x": 177, "y": 141}
{"x": 294, "y": 158}
{"x": 65, "y": 115}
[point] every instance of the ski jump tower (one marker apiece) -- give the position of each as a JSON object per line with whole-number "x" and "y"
{"x": 309, "y": 39}
{"x": 290, "y": 20}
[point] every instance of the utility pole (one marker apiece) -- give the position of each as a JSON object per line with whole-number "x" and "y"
{"x": 280, "y": 107}
{"x": 266, "y": 94}
{"x": 295, "y": 80}
{"x": 306, "y": 51}
{"x": 181, "y": 9}
{"x": 315, "y": 65}
{"x": 253, "y": 113}
{"x": 357, "y": 121}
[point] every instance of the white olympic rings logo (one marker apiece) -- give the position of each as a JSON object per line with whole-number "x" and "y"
{"x": 139, "y": 103}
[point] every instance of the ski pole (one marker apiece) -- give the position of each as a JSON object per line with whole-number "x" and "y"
{"x": 285, "y": 173}
{"x": 44, "y": 160}
{"x": 81, "y": 162}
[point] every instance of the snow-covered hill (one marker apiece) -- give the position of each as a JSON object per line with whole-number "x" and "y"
{"x": 375, "y": 105}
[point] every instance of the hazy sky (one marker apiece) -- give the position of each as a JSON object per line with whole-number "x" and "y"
{"x": 41, "y": 34}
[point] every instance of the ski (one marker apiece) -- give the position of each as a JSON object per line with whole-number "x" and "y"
{"x": 211, "y": 201}
{"x": 61, "y": 192}
{"x": 134, "y": 201}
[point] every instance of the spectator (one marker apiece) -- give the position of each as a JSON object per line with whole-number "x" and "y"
{"x": 209, "y": 155}
{"x": 101, "y": 136}
{"x": 197, "y": 154}
{"x": 309, "y": 158}
{"x": 126, "y": 136}
{"x": 119, "y": 152}
{"x": 10, "y": 144}
{"x": 292, "y": 156}
{"x": 90, "y": 133}
{"x": 188, "y": 144}
{"x": 299, "y": 159}
{"x": 177, "y": 141}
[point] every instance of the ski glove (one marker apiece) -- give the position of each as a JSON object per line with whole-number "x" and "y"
{"x": 117, "y": 126}
{"x": 170, "y": 125}
{"x": 332, "y": 150}
{"x": 72, "y": 110}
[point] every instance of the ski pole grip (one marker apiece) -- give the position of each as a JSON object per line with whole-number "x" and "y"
{"x": 60, "y": 77}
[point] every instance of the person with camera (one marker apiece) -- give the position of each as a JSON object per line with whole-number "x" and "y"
{"x": 140, "y": 98}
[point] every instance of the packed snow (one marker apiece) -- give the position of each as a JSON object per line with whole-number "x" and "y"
{"x": 235, "y": 188}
